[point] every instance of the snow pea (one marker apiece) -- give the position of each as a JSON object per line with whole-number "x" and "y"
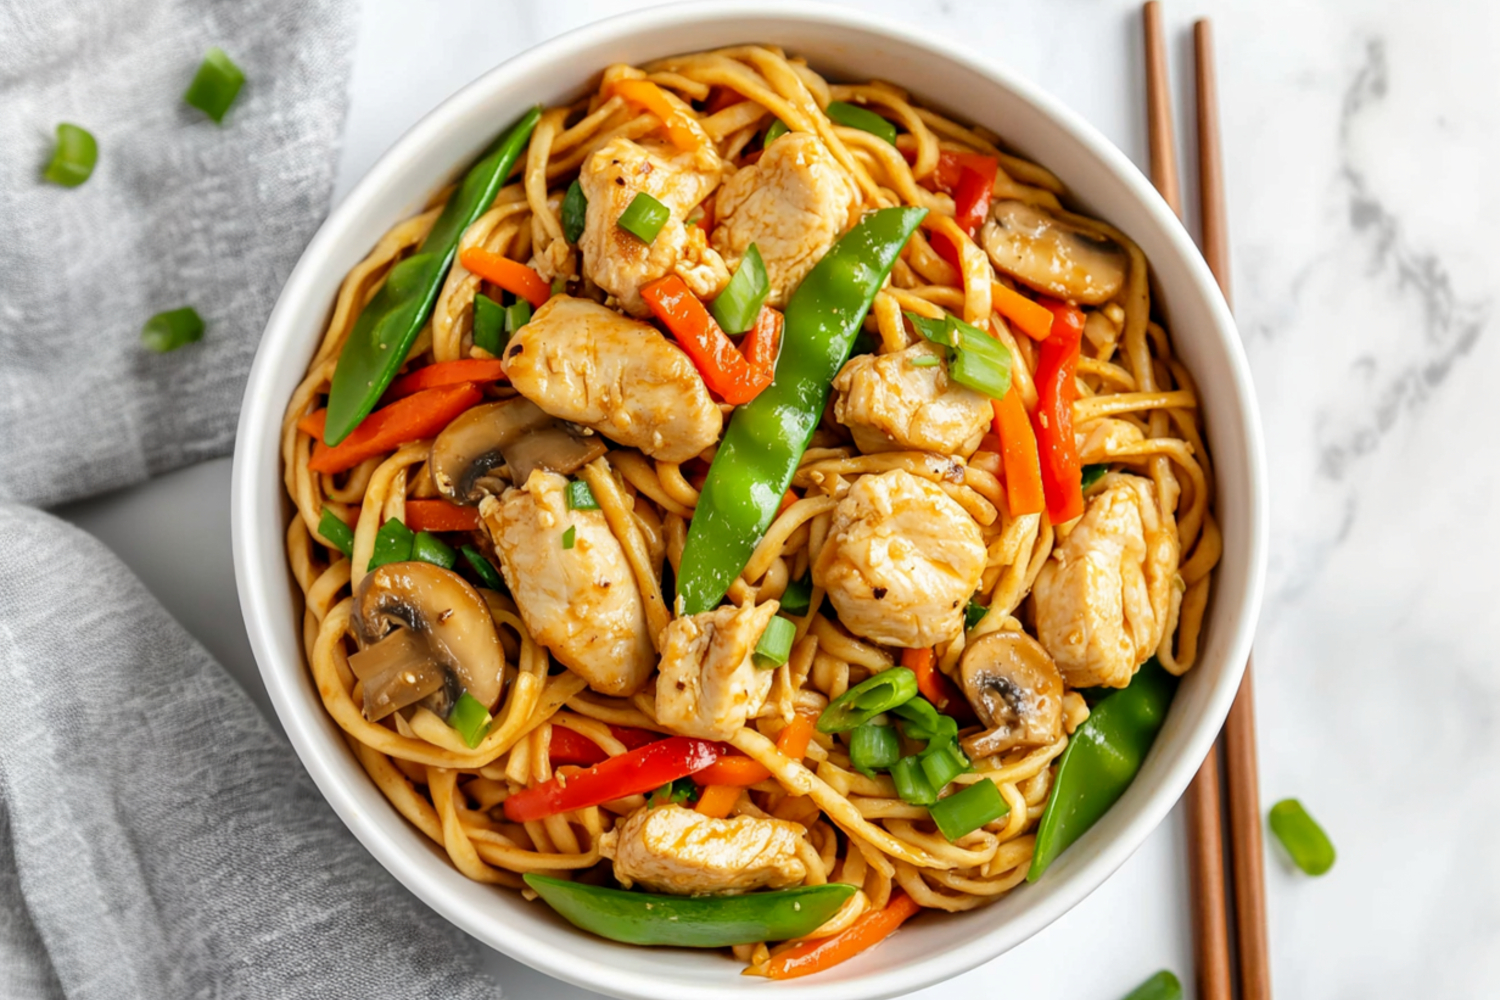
{"x": 767, "y": 436}
{"x": 1101, "y": 761}
{"x": 691, "y": 921}
{"x": 390, "y": 321}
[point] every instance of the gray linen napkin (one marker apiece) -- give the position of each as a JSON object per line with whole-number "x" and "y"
{"x": 179, "y": 211}
{"x": 157, "y": 839}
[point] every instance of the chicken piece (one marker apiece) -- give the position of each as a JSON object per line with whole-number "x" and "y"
{"x": 890, "y": 404}
{"x": 1103, "y": 598}
{"x": 793, "y": 203}
{"x": 901, "y": 561}
{"x": 619, "y": 262}
{"x": 585, "y": 363}
{"x": 682, "y": 851}
{"x": 709, "y": 684}
{"x": 582, "y": 602}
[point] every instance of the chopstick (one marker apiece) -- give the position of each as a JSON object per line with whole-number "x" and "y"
{"x": 1239, "y": 729}
{"x": 1205, "y": 828}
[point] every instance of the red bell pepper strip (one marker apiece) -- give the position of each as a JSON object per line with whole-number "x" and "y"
{"x": 632, "y": 773}
{"x": 634, "y": 738}
{"x": 1053, "y": 420}
{"x": 824, "y": 953}
{"x": 511, "y": 275}
{"x": 411, "y": 419}
{"x": 1024, "y": 493}
{"x": 440, "y": 515}
{"x": 724, "y": 369}
{"x": 944, "y": 248}
{"x": 971, "y": 197}
{"x": 763, "y": 343}
{"x": 935, "y": 685}
{"x": 569, "y": 747}
{"x": 474, "y": 370}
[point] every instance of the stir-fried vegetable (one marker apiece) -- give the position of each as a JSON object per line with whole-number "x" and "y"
{"x": 974, "y": 614}
{"x": 873, "y": 696}
{"x": 1053, "y": 419}
{"x": 1030, "y": 317}
{"x": 766, "y": 438}
{"x": 644, "y": 217}
{"x": 482, "y": 567}
{"x": 511, "y": 275}
{"x": 776, "y": 131}
{"x": 1101, "y": 761}
{"x": 388, "y": 324}
{"x": 854, "y": 116}
{"x": 681, "y": 131}
{"x": 762, "y": 345}
{"x": 216, "y": 84}
{"x": 575, "y": 209}
{"x": 1304, "y": 840}
{"x": 718, "y": 801}
{"x": 570, "y": 537}
{"x": 429, "y": 548}
{"x": 1024, "y": 492}
{"x": 976, "y": 359}
{"x": 692, "y": 921}
{"x": 725, "y": 370}
{"x": 440, "y": 515}
{"x": 580, "y": 497}
{"x": 489, "y": 324}
{"x": 1092, "y": 474}
{"x": 733, "y": 770}
{"x": 473, "y": 370}
{"x": 737, "y": 307}
{"x": 934, "y": 684}
{"x": 167, "y": 331}
{"x": 73, "y": 158}
{"x": 470, "y": 719}
{"x": 797, "y": 597}
{"x": 336, "y": 532}
{"x": 393, "y": 543}
{"x": 969, "y": 808}
{"x": 775, "y": 644}
{"x": 976, "y": 183}
{"x": 874, "y": 746}
{"x": 418, "y": 416}
{"x": 518, "y": 313}
{"x": 1161, "y": 986}
{"x": 824, "y": 953}
{"x": 632, "y": 773}
{"x": 680, "y": 792}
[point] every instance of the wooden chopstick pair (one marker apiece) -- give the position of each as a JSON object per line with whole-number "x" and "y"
{"x": 1206, "y": 840}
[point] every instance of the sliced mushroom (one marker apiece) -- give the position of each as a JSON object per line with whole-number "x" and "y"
{"x": 1015, "y": 690}
{"x": 470, "y": 452}
{"x": 396, "y": 672}
{"x": 1053, "y": 256}
{"x": 438, "y": 619}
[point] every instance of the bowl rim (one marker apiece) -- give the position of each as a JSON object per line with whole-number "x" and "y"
{"x": 259, "y": 430}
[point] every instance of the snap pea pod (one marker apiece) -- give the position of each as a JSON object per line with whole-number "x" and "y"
{"x": 1101, "y": 761}
{"x": 767, "y": 436}
{"x": 389, "y": 322}
{"x": 691, "y": 921}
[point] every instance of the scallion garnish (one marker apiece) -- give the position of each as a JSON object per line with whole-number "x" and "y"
{"x": 569, "y": 537}
{"x": 680, "y": 792}
{"x": 393, "y": 543}
{"x": 167, "y": 331}
{"x": 574, "y": 212}
{"x": 470, "y": 719}
{"x": 74, "y": 158}
{"x": 489, "y": 324}
{"x": 797, "y": 597}
{"x": 967, "y": 809}
{"x": 1163, "y": 986}
{"x": 482, "y": 568}
{"x": 912, "y": 785}
{"x": 926, "y": 361}
{"x": 1093, "y": 473}
{"x": 429, "y": 548}
{"x": 336, "y": 532}
{"x": 873, "y": 747}
{"x": 738, "y": 306}
{"x": 974, "y": 614}
{"x": 644, "y": 217}
{"x": 580, "y": 497}
{"x": 216, "y": 84}
{"x": 1304, "y": 840}
{"x": 942, "y": 761}
{"x": 776, "y": 131}
{"x": 863, "y": 119}
{"x": 775, "y": 644}
{"x": 517, "y": 315}
{"x": 980, "y": 361}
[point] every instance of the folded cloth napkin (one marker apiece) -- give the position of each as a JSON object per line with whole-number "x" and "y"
{"x": 179, "y": 212}
{"x": 157, "y": 839}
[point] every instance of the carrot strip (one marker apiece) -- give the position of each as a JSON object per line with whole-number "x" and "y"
{"x": 446, "y": 373}
{"x": 681, "y": 130}
{"x": 736, "y": 771}
{"x": 793, "y": 740}
{"x": 440, "y": 515}
{"x": 718, "y": 800}
{"x": 1030, "y": 317}
{"x": 824, "y": 953}
{"x": 935, "y": 685}
{"x": 411, "y": 419}
{"x": 1024, "y": 493}
{"x": 511, "y": 275}
{"x": 724, "y": 369}
{"x": 762, "y": 345}
{"x": 312, "y": 424}
{"x": 787, "y": 500}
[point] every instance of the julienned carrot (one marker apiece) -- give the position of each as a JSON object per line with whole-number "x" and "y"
{"x": 388, "y": 428}
{"x": 1018, "y": 455}
{"x": 762, "y": 345}
{"x": 312, "y": 424}
{"x": 792, "y": 741}
{"x": 681, "y": 130}
{"x": 824, "y": 953}
{"x": 1030, "y": 317}
{"x": 724, "y": 369}
{"x": 718, "y": 800}
{"x": 446, "y": 373}
{"x": 736, "y": 771}
{"x": 935, "y": 685}
{"x": 440, "y": 515}
{"x": 511, "y": 275}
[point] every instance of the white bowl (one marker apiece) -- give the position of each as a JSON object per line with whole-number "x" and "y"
{"x": 844, "y": 44}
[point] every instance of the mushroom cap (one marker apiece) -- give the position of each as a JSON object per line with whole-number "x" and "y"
{"x": 439, "y": 606}
{"x": 1015, "y": 690}
{"x": 515, "y": 433}
{"x": 1052, "y": 255}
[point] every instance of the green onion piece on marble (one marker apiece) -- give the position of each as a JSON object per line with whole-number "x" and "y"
{"x": 216, "y": 84}
{"x": 74, "y": 156}
{"x": 167, "y": 331}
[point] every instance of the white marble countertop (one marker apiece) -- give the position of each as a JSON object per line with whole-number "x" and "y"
{"x": 1362, "y": 206}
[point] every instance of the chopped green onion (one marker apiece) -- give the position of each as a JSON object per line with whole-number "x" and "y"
{"x": 580, "y": 497}
{"x": 644, "y": 217}
{"x": 559, "y": 286}
{"x": 920, "y": 720}
{"x": 1093, "y": 473}
{"x": 873, "y": 747}
{"x": 775, "y": 645}
{"x": 517, "y": 315}
{"x": 974, "y": 614}
{"x": 980, "y": 361}
{"x": 942, "y": 761}
{"x": 429, "y": 548}
{"x": 967, "y": 809}
{"x": 926, "y": 361}
{"x": 393, "y": 543}
{"x": 74, "y": 158}
{"x": 881, "y": 693}
{"x": 482, "y": 568}
{"x": 336, "y": 532}
{"x": 797, "y": 597}
{"x": 167, "y": 331}
{"x": 574, "y": 212}
{"x": 912, "y": 785}
{"x": 1162, "y": 986}
{"x": 863, "y": 119}
{"x": 470, "y": 718}
{"x": 489, "y": 324}
{"x": 776, "y": 131}
{"x": 569, "y": 537}
{"x": 1303, "y": 838}
{"x": 216, "y": 84}
{"x": 933, "y": 330}
{"x": 738, "y": 305}
{"x": 680, "y": 792}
